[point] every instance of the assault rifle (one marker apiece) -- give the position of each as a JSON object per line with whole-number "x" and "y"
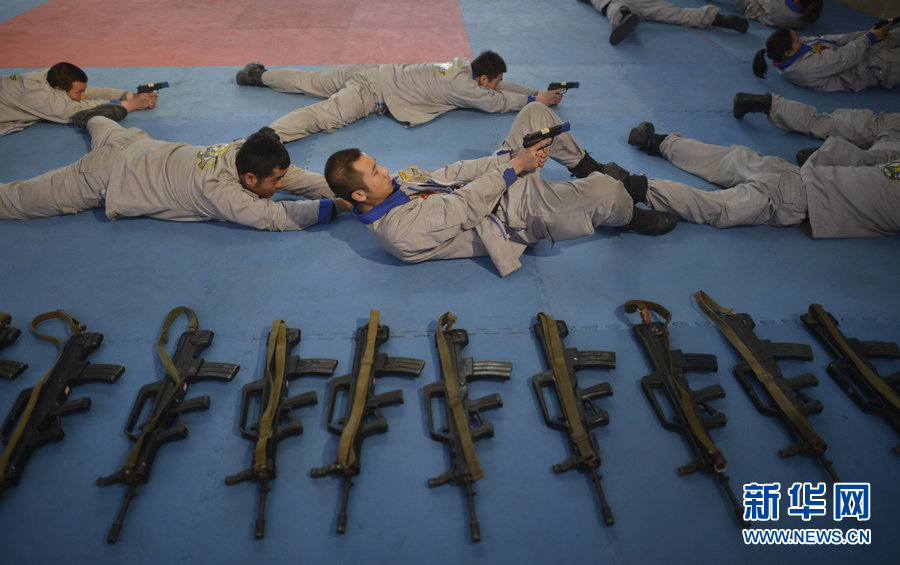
{"x": 691, "y": 414}
{"x": 579, "y": 413}
{"x": 152, "y": 87}
{"x": 8, "y": 334}
{"x": 465, "y": 425}
{"x": 35, "y": 418}
{"x": 362, "y": 413}
{"x": 853, "y": 371}
{"x": 787, "y": 401}
{"x": 562, "y": 85}
{"x": 276, "y": 419}
{"x": 164, "y": 423}
{"x": 546, "y": 133}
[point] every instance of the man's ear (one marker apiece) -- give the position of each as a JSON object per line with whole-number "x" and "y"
{"x": 482, "y": 80}
{"x": 249, "y": 180}
{"x": 359, "y": 195}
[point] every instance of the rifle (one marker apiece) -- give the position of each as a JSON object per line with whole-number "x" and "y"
{"x": 579, "y": 413}
{"x": 546, "y": 133}
{"x": 465, "y": 425}
{"x": 8, "y": 334}
{"x": 276, "y": 419}
{"x": 362, "y": 413}
{"x": 152, "y": 87}
{"x": 787, "y": 401}
{"x": 691, "y": 414}
{"x": 35, "y": 418}
{"x": 853, "y": 371}
{"x": 164, "y": 423}
{"x": 562, "y": 85}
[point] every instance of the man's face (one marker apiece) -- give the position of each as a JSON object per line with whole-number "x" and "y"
{"x": 378, "y": 182}
{"x": 76, "y": 93}
{"x": 492, "y": 83}
{"x": 263, "y": 187}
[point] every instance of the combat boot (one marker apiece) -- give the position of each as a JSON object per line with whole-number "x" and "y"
{"x": 736, "y": 23}
{"x": 650, "y": 222}
{"x": 115, "y": 112}
{"x": 251, "y": 75}
{"x": 644, "y": 137}
{"x": 745, "y": 103}
{"x": 626, "y": 25}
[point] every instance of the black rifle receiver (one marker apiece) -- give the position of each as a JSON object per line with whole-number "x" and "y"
{"x": 465, "y": 424}
{"x": 786, "y": 399}
{"x": 692, "y": 416}
{"x": 8, "y": 334}
{"x": 152, "y": 87}
{"x": 35, "y": 418}
{"x": 362, "y": 415}
{"x": 853, "y": 371}
{"x": 579, "y": 413}
{"x": 546, "y": 133}
{"x": 276, "y": 419}
{"x": 164, "y": 423}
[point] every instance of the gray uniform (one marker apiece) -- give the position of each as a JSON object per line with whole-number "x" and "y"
{"x": 847, "y": 62}
{"x": 774, "y": 13}
{"x": 27, "y": 98}
{"x": 132, "y": 174}
{"x": 657, "y": 11}
{"x": 850, "y": 187}
{"x": 412, "y": 93}
{"x": 479, "y": 207}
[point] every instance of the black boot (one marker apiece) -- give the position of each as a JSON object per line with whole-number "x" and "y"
{"x": 745, "y": 103}
{"x": 114, "y": 112}
{"x": 736, "y": 23}
{"x": 636, "y": 185}
{"x": 644, "y": 137}
{"x": 629, "y": 22}
{"x": 650, "y": 222}
{"x": 586, "y": 166}
{"x": 805, "y": 154}
{"x": 251, "y": 75}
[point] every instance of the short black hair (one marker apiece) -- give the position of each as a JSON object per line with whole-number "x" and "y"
{"x": 340, "y": 175}
{"x": 261, "y": 154}
{"x": 488, "y": 63}
{"x": 62, "y": 75}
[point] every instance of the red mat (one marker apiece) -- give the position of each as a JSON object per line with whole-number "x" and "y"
{"x": 127, "y": 33}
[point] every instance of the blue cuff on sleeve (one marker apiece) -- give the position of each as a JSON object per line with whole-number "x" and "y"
{"x": 509, "y": 175}
{"x": 115, "y": 101}
{"x": 325, "y": 208}
{"x": 531, "y": 98}
{"x": 872, "y": 38}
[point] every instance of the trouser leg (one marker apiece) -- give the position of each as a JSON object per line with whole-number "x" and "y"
{"x": 104, "y": 131}
{"x": 356, "y": 100}
{"x": 667, "y": 12}
{"x": 858, "y": 126}
{"x": 534, "y": 116}
{"x": 66, "y": 190}
{"x": 722, "y": 165}
{"x": 322, "y": 83}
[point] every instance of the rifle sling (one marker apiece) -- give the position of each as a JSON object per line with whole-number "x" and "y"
{"x": 347, "y": 456}
{"x": 794, "y": 416}
{"x": 172, "y": 372}
{"x": 693, "y": 422}
{"x": 277, "y": 347}
{"x": 557, "y": 359}
{"x": 76, "y": 328}
{"x": 818, "y": 315}
{"x": 454, "y": 402}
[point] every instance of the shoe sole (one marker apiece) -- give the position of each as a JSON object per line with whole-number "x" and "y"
{"x": 627, "y": 25}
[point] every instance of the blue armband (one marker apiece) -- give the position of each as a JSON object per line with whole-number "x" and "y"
{"x": 327, "y": 210}
{"x": 509, "y": 175}
{"x": 872, "y": 38}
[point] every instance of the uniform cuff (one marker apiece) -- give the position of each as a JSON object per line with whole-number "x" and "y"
{"x": 509, "y": 175}
{"x": 872, "y": 38}
{"x": 327, "y": 211}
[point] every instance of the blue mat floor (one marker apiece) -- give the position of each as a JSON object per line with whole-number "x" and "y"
{"x": 121, "y": 279}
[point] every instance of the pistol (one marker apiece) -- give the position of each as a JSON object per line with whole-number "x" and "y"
{"x": 152, "y": 87}
{"x": 562, "y": 85}
{"x": 546, "y": 133}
